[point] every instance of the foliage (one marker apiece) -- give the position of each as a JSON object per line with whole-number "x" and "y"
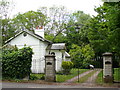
{"x": 26, "y": 21}
{"x": 81, "y": 56}
{"x": 33, "y": 77}
{"x": 16, "y": 63}
{"x": 59, "y": 38}
{"x": 75, "y": 32}
{"x": 29, "y": 20}
{"x": 67, "y": 66}
{"x": 117, "y": 74}
{"x": 8, "y": 29}
{"x": 104, "y": 29}
{"x": 37, "y": 76}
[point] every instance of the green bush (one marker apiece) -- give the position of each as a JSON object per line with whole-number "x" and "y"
{"x": 67, "y": 66}
{"x": 16, "y": 63}
{"x": 32, "y": 77}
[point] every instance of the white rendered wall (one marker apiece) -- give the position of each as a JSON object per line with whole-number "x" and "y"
{"x": 38, "y": 49}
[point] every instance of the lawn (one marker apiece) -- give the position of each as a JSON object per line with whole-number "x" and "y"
{"x": 74, "y": 72}
{"x": 117, "y": 74}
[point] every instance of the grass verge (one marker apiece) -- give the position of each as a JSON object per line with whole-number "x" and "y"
{"x": 116, "y": 76}
{"x": 99, "y": 78}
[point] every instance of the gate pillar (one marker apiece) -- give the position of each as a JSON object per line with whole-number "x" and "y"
{"x": 107, "y": 67}
{"x": 50, "y": 68}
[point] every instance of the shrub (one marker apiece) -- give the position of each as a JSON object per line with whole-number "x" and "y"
{"x": 16, "y": 63}
{"x": 32, "y": 77}
{"x": 67, "y": 66}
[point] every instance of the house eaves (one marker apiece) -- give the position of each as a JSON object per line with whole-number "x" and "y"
{"x": 32, "y": 34}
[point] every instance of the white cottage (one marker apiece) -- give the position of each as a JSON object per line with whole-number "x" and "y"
{"x": 41, "y": 47}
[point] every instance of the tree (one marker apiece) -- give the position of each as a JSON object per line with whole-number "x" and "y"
{"x": 58, "y": 17}
{"x": 5, "y": 8}
{"x": 29, "y": 20}
{"x": 81, "y": 55}
{"x": 104, "y": 29}
{"x": 6, "y": 27}
{"x": 75, "y": 32}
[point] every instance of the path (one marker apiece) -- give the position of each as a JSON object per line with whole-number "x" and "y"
{"x": 91, "y": 80}
{"x": 75, "y": 78}
{"x": 93, "y": 77}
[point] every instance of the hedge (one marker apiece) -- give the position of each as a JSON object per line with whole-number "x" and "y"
{"x": 16, "y": 63}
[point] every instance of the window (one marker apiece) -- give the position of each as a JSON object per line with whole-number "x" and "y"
{"x": 24, "y": 34}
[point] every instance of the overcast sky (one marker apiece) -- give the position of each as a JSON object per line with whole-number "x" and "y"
{"x": 84, "y": 5}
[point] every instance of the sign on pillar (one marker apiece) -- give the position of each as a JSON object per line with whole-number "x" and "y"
{"x": 107, "y": 67}
{"x": 50, "y": 68}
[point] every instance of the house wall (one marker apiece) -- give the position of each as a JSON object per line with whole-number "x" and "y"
{"x": 39, "y": 49}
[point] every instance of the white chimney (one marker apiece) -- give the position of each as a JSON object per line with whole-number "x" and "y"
{"x": 39, "y": 31}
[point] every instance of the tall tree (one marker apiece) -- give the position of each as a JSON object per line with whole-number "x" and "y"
{"x": 104, "y": 29}
{"x": 5, "y": 8}
{"x": 81, "y": 56}
{"x": 75, "y": 31}
{"x": 58, "y": 17}
{"x": 29, "y": 20}
{"x": 6, "y": 27}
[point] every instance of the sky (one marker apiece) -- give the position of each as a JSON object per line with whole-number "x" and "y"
{"x": 73, "y": 5}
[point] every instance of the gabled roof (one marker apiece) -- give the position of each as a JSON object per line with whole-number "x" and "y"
{"x": 56, "y": 46}
{"x": 30, "y": 33}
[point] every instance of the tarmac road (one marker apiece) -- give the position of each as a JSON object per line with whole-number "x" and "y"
{"x": 33, "y": 85}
